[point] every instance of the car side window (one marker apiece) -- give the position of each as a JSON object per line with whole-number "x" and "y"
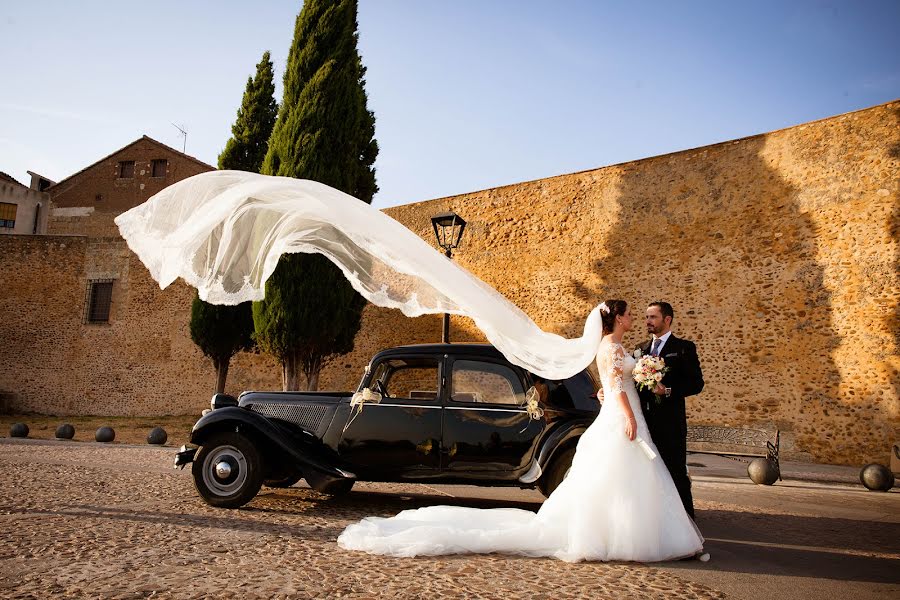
{"x": 411, "y": 379}
{"x": 485, "y": 382}
{"x": 582, "y": 391}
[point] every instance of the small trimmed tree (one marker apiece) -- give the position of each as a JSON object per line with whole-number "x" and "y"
{"x": 223, "y": 331}
{"x": 325, "y": 132}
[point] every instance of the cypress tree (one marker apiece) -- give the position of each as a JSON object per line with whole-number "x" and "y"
{"x": 326, "y": 133}
{"x": 249, "y": 141}
{"x": 223, "y": 331}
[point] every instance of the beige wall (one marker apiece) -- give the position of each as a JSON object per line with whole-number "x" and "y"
{"x": 29, "y": 204}
{"x": 779, "y": 253}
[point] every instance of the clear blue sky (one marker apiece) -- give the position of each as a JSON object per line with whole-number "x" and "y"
{"x": 467, "y": 94}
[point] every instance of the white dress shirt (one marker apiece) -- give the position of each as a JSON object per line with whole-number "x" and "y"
{"x": 664, "y": 338}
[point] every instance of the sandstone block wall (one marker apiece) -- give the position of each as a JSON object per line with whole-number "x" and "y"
{"x": 142, "y": 362}
{"x": 779, "y": 253}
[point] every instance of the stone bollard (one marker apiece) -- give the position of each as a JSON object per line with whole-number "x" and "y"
{"x": 105, "y": 434}
{"x": 18, "y": 430}
{"x": 762, "y": 472}
{"x": 157, "y": 436}
{"x": 64, "y": 432}
{"x": 877, "y": 478}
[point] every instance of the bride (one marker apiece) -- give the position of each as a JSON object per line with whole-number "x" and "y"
{"x": 224, "y": 232}
{"x": 617, "y": 503}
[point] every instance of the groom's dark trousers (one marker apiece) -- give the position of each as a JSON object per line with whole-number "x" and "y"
{"x": 666, "y": 419}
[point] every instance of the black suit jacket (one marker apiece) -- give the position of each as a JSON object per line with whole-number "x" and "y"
{"x": 667, "y": 419}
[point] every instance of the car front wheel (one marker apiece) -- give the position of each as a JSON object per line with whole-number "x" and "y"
{"x": 227, "y": 470}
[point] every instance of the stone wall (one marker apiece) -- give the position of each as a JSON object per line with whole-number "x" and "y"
{"x": 142, "y": 362}
{"x": 778, "y": 251}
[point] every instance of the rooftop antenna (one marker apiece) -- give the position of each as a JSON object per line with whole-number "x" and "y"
{"x": 183, "y": 134}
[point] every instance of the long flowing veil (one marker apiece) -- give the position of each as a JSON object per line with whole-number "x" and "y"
{"x": 224, "y": 231}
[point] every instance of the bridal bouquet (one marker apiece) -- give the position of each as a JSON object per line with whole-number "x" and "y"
{"x": 648, "y": 372}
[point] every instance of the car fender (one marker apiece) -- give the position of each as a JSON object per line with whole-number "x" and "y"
{"x": 233, "y": 418}
{"x": 558, "y": 438}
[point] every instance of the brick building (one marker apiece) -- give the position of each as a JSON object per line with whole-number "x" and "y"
{"x": 86, "y": 202}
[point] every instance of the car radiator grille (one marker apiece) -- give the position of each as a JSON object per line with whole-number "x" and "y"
{"x": 306, "y": 416}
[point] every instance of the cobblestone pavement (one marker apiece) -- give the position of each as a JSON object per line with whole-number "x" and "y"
{"x": 87, "y": 520}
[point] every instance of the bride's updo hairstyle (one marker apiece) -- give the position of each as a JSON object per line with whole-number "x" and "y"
{"x": 613, "y": 309}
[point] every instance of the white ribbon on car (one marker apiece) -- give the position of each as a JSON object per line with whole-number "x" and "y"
{"x": 532, "y": 406}
{"x": 359, "y": 400}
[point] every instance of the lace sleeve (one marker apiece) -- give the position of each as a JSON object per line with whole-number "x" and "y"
{"x": 616, "y": 365}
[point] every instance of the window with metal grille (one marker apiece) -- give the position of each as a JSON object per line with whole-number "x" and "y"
{"x": 159, "y": 167}
{"x": 126, "y": 169}
{"x": 99, "y": 297}
{"x": 8, "y": 215}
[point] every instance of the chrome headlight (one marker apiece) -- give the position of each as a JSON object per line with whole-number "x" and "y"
{"x": 222, "y": 400}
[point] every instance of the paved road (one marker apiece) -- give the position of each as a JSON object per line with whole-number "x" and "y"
{"x": 87, "y": 520}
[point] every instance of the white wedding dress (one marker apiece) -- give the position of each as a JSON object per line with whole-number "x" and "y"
{"x": 615, "y": 504}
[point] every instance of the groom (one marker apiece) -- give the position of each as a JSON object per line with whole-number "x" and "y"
{"x": 664, "y": 407}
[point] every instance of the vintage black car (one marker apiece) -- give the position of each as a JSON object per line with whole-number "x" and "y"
{"x": 449, "y": 413}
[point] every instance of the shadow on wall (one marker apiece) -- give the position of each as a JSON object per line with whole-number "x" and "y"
{"x": 718, "y": 234}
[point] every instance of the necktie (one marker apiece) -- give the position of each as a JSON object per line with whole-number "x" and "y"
{"x": 656, "y": 344}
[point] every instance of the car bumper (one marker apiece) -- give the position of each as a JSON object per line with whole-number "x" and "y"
{"x": 184, "y": 456}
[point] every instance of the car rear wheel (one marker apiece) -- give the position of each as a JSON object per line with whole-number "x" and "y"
{"x": 227, "y": 470}
{"x": 558, "y": 471}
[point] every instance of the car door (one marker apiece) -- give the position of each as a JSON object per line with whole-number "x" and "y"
{"x": 486, "y": 426}
{"x": 400, "y": 436}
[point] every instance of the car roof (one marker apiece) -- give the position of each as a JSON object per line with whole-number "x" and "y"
{"x": 458, "y": 349}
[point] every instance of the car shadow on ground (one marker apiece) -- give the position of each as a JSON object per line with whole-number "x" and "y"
{"x": 366, "y": 503}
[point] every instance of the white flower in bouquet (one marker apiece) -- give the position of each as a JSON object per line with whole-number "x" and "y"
{"x": 648, "y": 372}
